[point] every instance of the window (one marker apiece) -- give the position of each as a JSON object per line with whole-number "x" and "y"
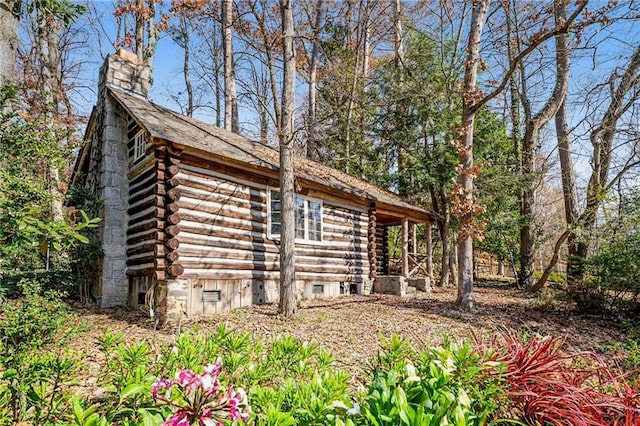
{"x": 139, "y": 145}
{"x": 308, "y": 217}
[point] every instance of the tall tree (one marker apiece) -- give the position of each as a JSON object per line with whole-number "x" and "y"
{"x": 230, "y": 96}
{"x": 312, "y": 149}
{"x": 466, "y": 207}
{"x": 530, "y": 146}
{"x": 624, "y": 93}
{"x": 288, "y": 292}
{"x": 9, "y": 22}
{"x": 142, "y": 37}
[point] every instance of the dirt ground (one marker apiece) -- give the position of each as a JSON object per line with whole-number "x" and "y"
{"x": 351, "y": 326}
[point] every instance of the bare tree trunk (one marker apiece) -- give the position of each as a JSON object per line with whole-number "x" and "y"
{"x": 216, "y": 77}
{"x": 287, "y": 192}
{"x": 440, "y": 205}
{"x": 403, "y": 178}
{"x": 312, "y": 148}
{"x": 454, "y": 258}
{"x": 530, "y": 149}
{"x": 186, "y": 72}
{"x": 602, "y": 139}
{"x": 429, "y": 250}
{"x": 9, "y": 23}
{"x": 48, "y": 50}
{"x": 230, "y": 96}
{"x": 139, "y": 37}
{"x": 152, "y": 35}
{"x": 465, "y": 153}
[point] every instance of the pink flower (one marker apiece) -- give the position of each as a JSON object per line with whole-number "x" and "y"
{"x": 159, "y": 385}
{"x": 214, "y": 369}
{"x": 177, "y": 419}
{"x": 199, "y": 399}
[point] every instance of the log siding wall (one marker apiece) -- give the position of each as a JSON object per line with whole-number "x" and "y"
{"x": 222, "y": 237}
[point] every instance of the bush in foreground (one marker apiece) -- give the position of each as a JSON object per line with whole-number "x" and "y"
{"x": 501, "y": 379}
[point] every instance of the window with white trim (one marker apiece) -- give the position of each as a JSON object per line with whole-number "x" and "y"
{"x": 308, "y": 216}
{"x": 139, "y": 145}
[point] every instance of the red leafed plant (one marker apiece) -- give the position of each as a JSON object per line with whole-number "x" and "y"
{"x": 548, "y": 385}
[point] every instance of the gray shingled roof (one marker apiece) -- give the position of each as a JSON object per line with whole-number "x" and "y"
{"x": 168, "y": 125}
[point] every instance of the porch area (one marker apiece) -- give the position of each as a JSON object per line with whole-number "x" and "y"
{"x": 401, "y": 254}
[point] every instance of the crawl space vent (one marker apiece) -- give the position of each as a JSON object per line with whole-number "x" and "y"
{"x": 317, "y": 289}
{"x": 211, "y": 295}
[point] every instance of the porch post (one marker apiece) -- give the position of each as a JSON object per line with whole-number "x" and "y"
{"x": 405, "y": 247}
{"x": 429, "y": 245}
{"x": 414, "y": 238}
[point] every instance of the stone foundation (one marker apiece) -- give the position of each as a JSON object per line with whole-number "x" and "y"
{"x": 421, "y": 284}
{"x": 390, "y": 284}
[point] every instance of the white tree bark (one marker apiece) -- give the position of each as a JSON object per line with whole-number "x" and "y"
{"x": 465, "y": 241}
{"x": 9, "y": 22}
{"x": 230, "y": 96}
{"x": 312, "y": 148}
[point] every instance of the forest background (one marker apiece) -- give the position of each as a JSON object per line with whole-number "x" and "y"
{"x": 516, "y": 122}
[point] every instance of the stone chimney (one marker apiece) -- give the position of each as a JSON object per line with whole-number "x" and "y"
{"x": 122, "y": 70}
{"x": 109, "y": 167}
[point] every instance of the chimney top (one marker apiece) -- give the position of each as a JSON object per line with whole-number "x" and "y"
{"x": 123, "y": 71}
{"x": 130, "y": 56}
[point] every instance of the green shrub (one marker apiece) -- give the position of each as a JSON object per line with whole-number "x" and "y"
{"x": 449, "y": 384}
{"x": 36, "y": 370}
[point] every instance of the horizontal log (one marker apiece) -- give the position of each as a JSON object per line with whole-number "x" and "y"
{"x": 173, "y": 170}
{"x": 160, "y": 275}
{"x": 159, "y": 250}
{"x": 140, "y": 271}
{"x": 142, "y": 181}
{"x": 196, "y": 243}
{"x": 149, "y": 258}
{"x": 173, "y": 194}
{"x": 172, "y": 243}
{"x": 159, "y": 263}
{"x": 209, "y": 196}
{"x": 174, "y": 149}
{"x": 172, "y": 230}
{"x": 173, "y": 256}
{"x": 172, "y": 159}
{"x": 140, "y": 205}
{"x": 173, "y": 207}
{"x": 144, "y": 248}
{"x": 144, "y": 215}
{"x": 175, "y": 270}
{"x": 173, "y": 219}
{"x": 160, "y": 188}
{"x": 138, "y": 227}
{"x": 222, "y": 187}
{"x": 305, "y": 256}
{"x": 269, "y": 275}
{"x": 146, "y": 237}
{"x": 257, "y": 239}
{"x": 223, "y": 221}
{"x": 228, "y": 172}
{"x": 223, "y": 209}
{"x": 195, "y": 263}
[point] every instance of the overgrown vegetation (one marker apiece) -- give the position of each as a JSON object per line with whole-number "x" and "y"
{"x": 498, "y": 379}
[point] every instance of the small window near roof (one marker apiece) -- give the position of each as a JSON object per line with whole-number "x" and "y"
{"x": 139, "y": 145}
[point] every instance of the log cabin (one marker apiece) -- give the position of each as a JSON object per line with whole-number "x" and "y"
{"x": 191, "y": 212}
